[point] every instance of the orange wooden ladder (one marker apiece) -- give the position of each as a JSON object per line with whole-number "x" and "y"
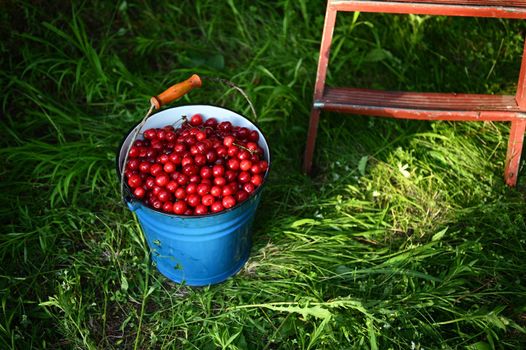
{"x": 426, "y": 106}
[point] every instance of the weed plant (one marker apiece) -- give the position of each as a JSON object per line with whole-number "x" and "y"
{"x": 406, "y": 237}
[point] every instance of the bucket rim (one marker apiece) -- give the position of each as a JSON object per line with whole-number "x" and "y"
{"x": 130, "y": 197}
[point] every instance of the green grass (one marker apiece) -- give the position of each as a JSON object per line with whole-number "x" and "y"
{"x": 406, "y": 237}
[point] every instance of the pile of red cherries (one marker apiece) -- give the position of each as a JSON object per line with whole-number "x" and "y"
{"x": 200, "y": 167}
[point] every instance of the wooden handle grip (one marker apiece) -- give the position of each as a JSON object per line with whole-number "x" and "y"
{"x": 176, "y": 91}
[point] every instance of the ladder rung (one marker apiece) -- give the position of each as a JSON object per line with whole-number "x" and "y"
{"x": 477, "y": 8}
{"x": 417, "y": 105}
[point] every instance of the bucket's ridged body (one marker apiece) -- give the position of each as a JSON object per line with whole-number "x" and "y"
{"x": 198, "y": 250}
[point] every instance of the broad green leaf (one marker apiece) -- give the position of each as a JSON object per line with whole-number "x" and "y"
{"x": 438, "y": 236}
{"x": 362, "y": 164}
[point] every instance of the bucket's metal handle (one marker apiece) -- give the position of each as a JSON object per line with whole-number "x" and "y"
{"x": 176, "y": 91}
{"x": 238, "y": 89}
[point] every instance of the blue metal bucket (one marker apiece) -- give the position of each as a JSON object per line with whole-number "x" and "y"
{"x": 197, "y": 250}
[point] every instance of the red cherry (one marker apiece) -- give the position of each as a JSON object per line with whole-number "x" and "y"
{"x": 206, "y": 181}
{"x": 232, "y": 151}
{"x": 245, "y": 165}
{"x": 168, "y": 207}
{"x": 252, "y": 147}
{"x": 263, "y": 165}
{"x": 144, "y": 167}
{"x": 205, "y": 172}
{"x": 218, "y": 170}
{"x": 216, "y": 191}
{"x": 195, "y": 179}
{"x": 156, "y": 169}
{"x": 133, "y": 164}
{"x": 200, "y": 136}
{"x": 241, "y": 196}
{"x": 187, "y": 160}
{"x": 149, "y": 183}
{"x": 222, "y": 151}
{"x": 256, "y": 179}
{"x": 228, "y": 141}
{"x": 175, "y": 158}
{"x": 156, "y": 189}
{"x": 175, "y": 175}
{"x": 162, "y": 179}
{"x": 193, "y": 200}
{"x": 203, "y": 189}
{"x": 219, "y": 181}
{"x": 243, "y": 133}
{"x": 170, "y": 136}
{"x": 234, "y": 186}
{"x": 164, "y": 158}
{"x": 253, "y": 136}
{"x": 204, "y": 146}
{"x": 211, "y": 156}
{"x": 230, "y": 175}
{"x": 196, "y": 120}
{"x": 228, "y": 202}
{"x": 182, "y": 179}
{"x": 180, "y": 147}
{"x": 139, "y": 192}
{"x": 157, "y": 145}
{"x": 227, "y": 191}
{"x": 244, "y": 177}
{"x": 217, "y": 207}
{"x": 207, "y": 200}
{"x": 249, "y": 187}
{"x": 190, "y": 140}
{"x": 169, "y": 167}
{"x": 134, "y": 152}
{"x": 172, "y": 186}
{"x": 233, "y": 164}
{"x": 164, "y": 195}
{"x": 190, "y": 170}
{"x": 150, "y": 134}
{"x": 199, "y": 160}
{"x": 191, "y": 188}
{"x": 134, "y": 181}
{"x": 224, "y": 126}
{"x": 243, "y": 154}
{"x": 161, "y": 134}
{"x": 157, "y": 204}
{"x": 216, "y": 143}
{"x": 201, "y": 209}
{"x": 180, "y": 193}
{"x": 194, "y": 150}
{"x": 179, "y": 207}
{"x": 211, "y": 122}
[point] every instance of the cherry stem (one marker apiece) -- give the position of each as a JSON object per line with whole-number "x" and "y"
{"x": 181, "y": 121}
{"x": 243, "y": 147}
